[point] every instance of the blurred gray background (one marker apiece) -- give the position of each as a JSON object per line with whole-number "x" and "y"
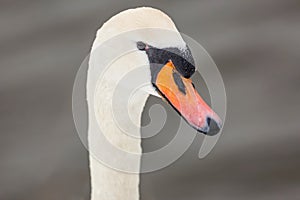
{"x": 255, "y": 44}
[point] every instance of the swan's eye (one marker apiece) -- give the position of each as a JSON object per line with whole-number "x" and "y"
{"x": 158, "y": 57}
{"x": 183, "y": 66}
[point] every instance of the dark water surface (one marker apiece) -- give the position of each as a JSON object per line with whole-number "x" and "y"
{"x": 256, "y": 45}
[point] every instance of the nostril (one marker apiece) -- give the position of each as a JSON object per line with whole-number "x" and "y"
{"x": 213, "y": 126}
{"x": 208, "y": 119}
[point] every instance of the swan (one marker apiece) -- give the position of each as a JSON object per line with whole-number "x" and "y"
{"x": 164, "y": 59}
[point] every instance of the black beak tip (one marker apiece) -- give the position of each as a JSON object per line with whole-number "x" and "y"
{"x": 212, "y": 127}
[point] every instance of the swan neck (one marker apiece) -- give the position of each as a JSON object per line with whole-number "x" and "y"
{"x": 107, "y": 182}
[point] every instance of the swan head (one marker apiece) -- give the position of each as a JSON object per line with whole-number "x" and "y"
{"x": 167, "y": 58}
{"x": 171, "y": 70}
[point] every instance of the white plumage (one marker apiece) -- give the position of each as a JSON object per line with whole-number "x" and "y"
{"x": 107, "y": 183}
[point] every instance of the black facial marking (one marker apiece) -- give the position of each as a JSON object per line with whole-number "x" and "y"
{"x": 179, "y": 82}
{"x": 193, "y": 85}
{"x": 181, "y": 58}
{"x": 141, "y": 46}
{"x": 183, "y": 61}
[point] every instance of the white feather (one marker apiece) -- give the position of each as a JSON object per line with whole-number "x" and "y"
{"x": 107, "y": 183}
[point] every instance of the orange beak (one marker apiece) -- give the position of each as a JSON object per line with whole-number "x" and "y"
{"x": 182, "y": 95}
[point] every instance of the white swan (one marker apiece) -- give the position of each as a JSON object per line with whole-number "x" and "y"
{"x": 171, "y": 79}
